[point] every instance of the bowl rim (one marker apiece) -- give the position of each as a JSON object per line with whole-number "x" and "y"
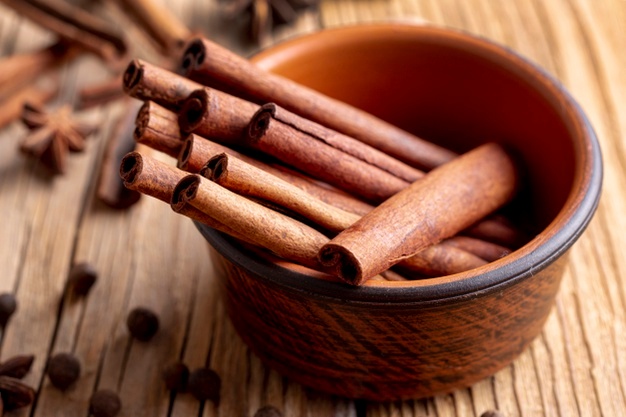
{"x": 536, "y": 255}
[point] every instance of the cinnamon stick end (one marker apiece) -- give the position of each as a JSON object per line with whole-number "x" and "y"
{"x": 261, "y": 120}
{"x": 132, "y": 76}
{"x": 185, "y": 190}
{"x": 186, "y": 150}
{"x": 131, "y": 165}
{"x": 193, "y": 110}
{"x": 347, "y": 266}
{"x": 215, "y": 167}
{"x": 193, "y": 56}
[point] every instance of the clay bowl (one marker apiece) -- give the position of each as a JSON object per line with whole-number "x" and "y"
{"x": 394, "y": 340}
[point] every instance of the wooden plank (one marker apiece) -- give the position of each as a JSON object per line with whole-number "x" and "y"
{"x": 43, "y": 213}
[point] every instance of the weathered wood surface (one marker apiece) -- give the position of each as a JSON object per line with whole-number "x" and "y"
{"x": 149, "y": 256}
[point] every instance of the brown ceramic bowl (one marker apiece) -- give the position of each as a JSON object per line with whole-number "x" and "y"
{"x": 392, "y": 340}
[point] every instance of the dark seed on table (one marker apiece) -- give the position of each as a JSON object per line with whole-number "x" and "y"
{"x": 82, "y": 277}
{"x": 142, "y": 324}
{"x": 205, "y": 384}
{"x": 176, "y": 377}
{"x": 492, "y": 413}
{"x": 104, "y": 403}
{"x": 63, "y": 370}
{"x": 268, "y": 411}
{"x": 8, "y": 305}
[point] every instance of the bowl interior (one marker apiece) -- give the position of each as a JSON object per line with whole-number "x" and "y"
{"x": 460, "y": 91}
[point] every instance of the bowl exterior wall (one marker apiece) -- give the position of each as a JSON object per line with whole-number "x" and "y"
{"x": 384, "y": 351}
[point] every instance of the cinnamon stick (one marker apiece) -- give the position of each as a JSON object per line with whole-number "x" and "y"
{"x": 149, "y": 176}
{"x": 486, "y": 250}
{"x": 249, "y": 181}
{"x": 286, "y": 237}
{"x": 274, "y": 137}
{"x": 11, "y": 107}
{"x": 159, "y": 180}
{"x": 444, "y": 202}
{"x": 439, "y": 259}
{"x": 196, "y": 151}
{"x": 211, "y": 64}
{"x": 111, "y": 189}
{"x": 160, "y": 24}
{"x": 19, "y": 71}
{"x": 216, "y": 115}
{"x": 100, "y": 93}
{"x": 145, "y": 81}
{"x": 157, "y": 128}
{"x": 497, "y": 229}
{"x": 390, "y": 275}
{"x": 306, "y": 129}
{"x": 78, "y": 25}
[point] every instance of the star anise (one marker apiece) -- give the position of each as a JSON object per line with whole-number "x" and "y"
{"x": 53, "y": 134}
{"x": 266, "y": 14}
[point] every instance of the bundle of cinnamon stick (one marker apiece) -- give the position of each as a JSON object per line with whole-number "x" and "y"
{"x": 310, "y": 179}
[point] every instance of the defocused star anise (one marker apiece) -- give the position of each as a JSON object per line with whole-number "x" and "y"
{"x": 265, "y": 14}
{"x": 53, "y": 134}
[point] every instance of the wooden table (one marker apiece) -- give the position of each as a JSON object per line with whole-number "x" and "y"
{"x": 149, "y": 256}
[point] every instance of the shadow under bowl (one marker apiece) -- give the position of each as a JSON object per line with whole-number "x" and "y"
{"x": 397, "y": 340}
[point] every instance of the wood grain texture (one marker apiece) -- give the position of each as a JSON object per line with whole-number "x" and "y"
{"x": 576, "y": 367}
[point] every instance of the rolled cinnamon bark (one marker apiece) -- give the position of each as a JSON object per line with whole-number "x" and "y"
{"x": 211, "y": 64}
{"x": 149, "y": 176}
{"x": 247, "y": 180}
{"x": 111, "y": 189}
{"x": 160, "y": 24}
{"x": 444, "y": 202}
{"x": 216, "y": 115}
{"x": 497, "y": 229}
{"x": 308, "y": 130}
{"x": 145, "y": 81}
{"x": 319, "y": 160}
{"x": 100, "y": 93}
{"x": 439, "y": 259}
{"x": 157, "y": 127}
{"x": 71, "y": 22}
{"x": 20, "y": 71}
{"x": 282, "y": 235}
{"x": 486, "y": 250}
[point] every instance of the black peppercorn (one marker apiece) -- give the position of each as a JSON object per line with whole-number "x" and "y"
{"x": 492, "y": 413}
{"x": 142, "y": 324}
{"x": 8, "y": 305}
{"x": 205, "y": 384}
{"x": 176, "y": 377}
{"x": 268, "y": 411}
{"x": 81, "y": 278}
{"x": 104, "y": 403}
{"x": 63, "y": 370}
